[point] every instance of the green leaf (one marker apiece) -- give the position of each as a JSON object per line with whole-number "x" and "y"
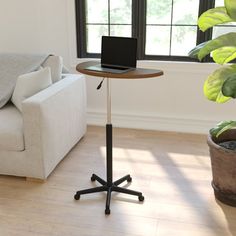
{"x": 194, "y": 52}
{"x": 224, "y": 55}
{"x": 229, "y": 86}
{"x": 212, "y": 17}
{"x": 231, "y": 8}
{"x": 222, "y": 127}
{"x": 226, "y": 40}
{"x": 213, "y": 84}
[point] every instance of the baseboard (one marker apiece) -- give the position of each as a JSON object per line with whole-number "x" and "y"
{"x": 148, "y": 122}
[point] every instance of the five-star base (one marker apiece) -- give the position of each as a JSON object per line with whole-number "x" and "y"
{"x": 109, "y": 185}
{"x": 109, "y": 188}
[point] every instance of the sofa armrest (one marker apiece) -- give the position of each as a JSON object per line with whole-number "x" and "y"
{"x": 54, "y": 121}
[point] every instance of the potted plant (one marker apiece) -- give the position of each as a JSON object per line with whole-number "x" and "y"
{"x": 220, "y": 87}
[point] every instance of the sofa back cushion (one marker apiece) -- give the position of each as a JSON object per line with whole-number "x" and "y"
{"x": 56, "y": 65}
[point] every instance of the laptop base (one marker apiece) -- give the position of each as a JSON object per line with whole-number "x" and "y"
{"x": 109, "y": 70}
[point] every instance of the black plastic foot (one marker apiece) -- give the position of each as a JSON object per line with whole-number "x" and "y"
{"x": 129, "y": 179}
{"x": 141, "y": 198}
{"x": 93, "y": 178}
{"x": 77, "y": 196}
{"x": 107, "y": 211}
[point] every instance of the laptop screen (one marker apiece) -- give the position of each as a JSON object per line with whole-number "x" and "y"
{"x": 119, "y": 51}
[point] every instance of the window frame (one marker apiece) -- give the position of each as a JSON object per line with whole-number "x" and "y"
{"x": 138, "y": 31}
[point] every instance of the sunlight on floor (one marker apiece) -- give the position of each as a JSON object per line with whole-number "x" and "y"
{"x": 129, "y": 153}
{"x": 184, "y": 175}
{"x": 188, "y": 159}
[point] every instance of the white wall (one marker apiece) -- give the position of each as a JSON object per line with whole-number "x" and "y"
{"x": 34, "y": 26}
{"x": 172, "y": 102}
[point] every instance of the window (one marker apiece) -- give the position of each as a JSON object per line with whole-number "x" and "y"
{"x": 106, "y": 18}
{"x": 166, "y": 29}
{"x": 169, "y": 29}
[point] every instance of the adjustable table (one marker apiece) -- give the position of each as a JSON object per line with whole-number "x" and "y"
{"x": 109, "y": 185}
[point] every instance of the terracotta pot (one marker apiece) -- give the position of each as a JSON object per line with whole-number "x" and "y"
{"x": 223, "y": 163}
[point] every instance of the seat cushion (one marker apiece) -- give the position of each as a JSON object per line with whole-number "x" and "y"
{"x": 11, "y": 129}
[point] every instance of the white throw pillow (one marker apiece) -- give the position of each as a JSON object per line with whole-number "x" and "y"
{"x": 30, "y": 84}
{"x": 56, "y": 64}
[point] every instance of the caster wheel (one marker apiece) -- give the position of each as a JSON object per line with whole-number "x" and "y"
{"x": 107, "y": 211}
{"x": 77, "y": 196}
{"x": 92, "y": 178}
{"x": 129, "y": 179}
{"x": 141, "y": 198}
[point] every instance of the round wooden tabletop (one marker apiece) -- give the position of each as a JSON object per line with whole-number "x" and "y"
{"x": 138, "y": 73}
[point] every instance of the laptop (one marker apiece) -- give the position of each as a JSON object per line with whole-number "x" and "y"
{"x": 118, "y": 55}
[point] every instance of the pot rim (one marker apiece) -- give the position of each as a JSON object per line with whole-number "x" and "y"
{"x": 211, "y": 143}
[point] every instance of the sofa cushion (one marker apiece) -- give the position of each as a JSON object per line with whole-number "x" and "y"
{"x": 11, "y": 129}
{"x": 30, "y": 84}
{"x": 56, "y": 65}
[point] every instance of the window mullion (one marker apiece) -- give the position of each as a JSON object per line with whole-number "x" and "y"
{"x": 80, "y": 11}
{"x": 109, "y": 17}
{"x": 138, "y": 25}
{"x": 135, "y": 28}
{"x": 204, "y": 6}
{"x": 207, "y": 35}
{"x": 140, "y": 16}
{"x": 171, "y": 25}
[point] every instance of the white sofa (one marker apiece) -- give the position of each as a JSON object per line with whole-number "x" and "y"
{"x": 33, "y": 142}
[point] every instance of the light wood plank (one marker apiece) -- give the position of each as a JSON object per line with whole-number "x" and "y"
{"x": 30, "y": 179}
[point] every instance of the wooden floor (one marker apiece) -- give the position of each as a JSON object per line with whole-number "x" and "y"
{"x": 171, "y": 169}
